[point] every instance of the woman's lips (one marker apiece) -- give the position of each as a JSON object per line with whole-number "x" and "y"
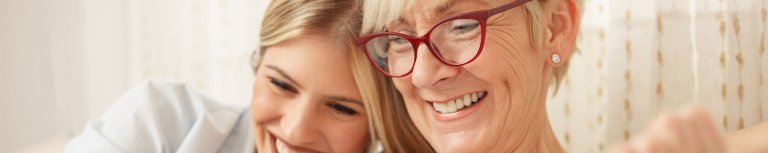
{"x": 281, "y": 147}
{"x": 459, "y": 103}
{"x": 272, "y": 140}
{"x": 457, "y": 108}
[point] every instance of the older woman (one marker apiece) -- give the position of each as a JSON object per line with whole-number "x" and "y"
{"x": 474, "y": 74}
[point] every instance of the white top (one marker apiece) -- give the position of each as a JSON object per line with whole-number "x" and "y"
{"x": 166, "y": 117}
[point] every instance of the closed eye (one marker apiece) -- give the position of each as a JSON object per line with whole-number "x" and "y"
{"x": 282, "y": 85}
{"x": 342, "y": 109}
{"x": 460, "y": 28}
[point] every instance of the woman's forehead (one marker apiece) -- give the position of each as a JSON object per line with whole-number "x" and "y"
{"x": 424, "y": 8}
{"x": 440, "y": 6}
{"x": 383, "y": 15}
{"x": 434, "y": 6}
{"x": 429, "y": 9}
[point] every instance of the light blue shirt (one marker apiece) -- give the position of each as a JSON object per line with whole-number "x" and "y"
{"x": 166, "y": 117}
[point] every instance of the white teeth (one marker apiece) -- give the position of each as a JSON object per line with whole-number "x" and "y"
{"x": 280, "y": 147}
{"x": 469, "y": 102}
{"x": 451, "y": 107}
{"x": 439, "y": 107}
{"x": 467, "y": 98}
{"x": 458, "y": 103}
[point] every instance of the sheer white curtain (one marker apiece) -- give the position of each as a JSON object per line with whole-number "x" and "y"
{"x": 64, "y": 61}
{"x": 640, "y": 58}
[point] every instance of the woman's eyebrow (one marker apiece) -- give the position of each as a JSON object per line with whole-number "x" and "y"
{"x": 434, "y": 9}
{"x": 441, "y": 7}
{"x": 345, "y": 99}
{"x": 283, "y": 74}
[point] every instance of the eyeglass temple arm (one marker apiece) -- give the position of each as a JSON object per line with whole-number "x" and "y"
{"x": 505, "y": 7}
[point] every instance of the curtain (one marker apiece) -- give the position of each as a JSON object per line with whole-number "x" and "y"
{"x": 638, "y": 59}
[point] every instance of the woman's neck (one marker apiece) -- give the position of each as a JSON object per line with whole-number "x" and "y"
{"x": 548, "y": 142}
{"x": 540, "y": 138}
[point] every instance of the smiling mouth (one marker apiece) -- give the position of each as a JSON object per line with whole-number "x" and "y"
{"x": 459, "y": 103}
{"x": 280, "y": 146}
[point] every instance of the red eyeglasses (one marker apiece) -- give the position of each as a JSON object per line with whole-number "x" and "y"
{"x": 454, "y": 41}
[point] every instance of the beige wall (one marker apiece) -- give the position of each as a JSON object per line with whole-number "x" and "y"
{"x": 26, "y": 80}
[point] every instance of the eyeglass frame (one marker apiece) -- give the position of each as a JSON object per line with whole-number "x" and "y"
{"x": 481, "y": 16}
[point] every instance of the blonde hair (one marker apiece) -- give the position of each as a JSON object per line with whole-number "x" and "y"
{"x": 341, "y": 19}
{"x": 377, "y": 14}
{"x": 287, "y": 19}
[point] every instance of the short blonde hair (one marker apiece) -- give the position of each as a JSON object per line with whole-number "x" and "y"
{"x": 377, "y": 14}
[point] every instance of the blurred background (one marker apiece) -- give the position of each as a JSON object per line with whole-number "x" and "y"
{"x": 640, "y": 58}
{"x": 62, "y": 63}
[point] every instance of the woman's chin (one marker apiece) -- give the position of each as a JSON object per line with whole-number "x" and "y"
{"x": 459, "y": 143}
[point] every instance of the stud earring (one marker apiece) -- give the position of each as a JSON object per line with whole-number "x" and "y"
{"x": 556, "y": 58}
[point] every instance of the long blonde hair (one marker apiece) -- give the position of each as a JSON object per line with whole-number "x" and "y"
{"x": 388, "y": 115}
{"x": 287, "y": 19}
{"x": 341, "y": 19}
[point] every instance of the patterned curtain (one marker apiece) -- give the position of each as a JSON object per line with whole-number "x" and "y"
{"x": 638, "y": 59}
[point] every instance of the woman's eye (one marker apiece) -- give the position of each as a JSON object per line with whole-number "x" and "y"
{"x": 397, "y": 40}
{"x": 342, "y": 109}
{"x": 465, "y": 27}
{"x": 282, "y": 85}
{"x": 398, "y": 44}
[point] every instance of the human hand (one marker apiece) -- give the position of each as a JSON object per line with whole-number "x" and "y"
{"x": 689, "y": 130}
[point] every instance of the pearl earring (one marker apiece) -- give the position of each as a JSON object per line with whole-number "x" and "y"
{"x": 556, "y": 58}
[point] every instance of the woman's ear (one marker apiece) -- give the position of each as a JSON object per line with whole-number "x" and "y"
{"x": 562, "y": 27}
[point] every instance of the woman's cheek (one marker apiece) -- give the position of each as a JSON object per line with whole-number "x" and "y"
{"x": 352, "y": 136}
{"x": 263, "y": 105}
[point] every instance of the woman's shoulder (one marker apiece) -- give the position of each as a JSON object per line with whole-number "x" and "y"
{"x": 163, "y": 116}
{"x": 167, "y": 102}
{"x": 162, "y": 93}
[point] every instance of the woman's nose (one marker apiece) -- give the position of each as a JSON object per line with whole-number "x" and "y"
{"x": 429, "y": 71}
{"x": 299, "y": 123}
